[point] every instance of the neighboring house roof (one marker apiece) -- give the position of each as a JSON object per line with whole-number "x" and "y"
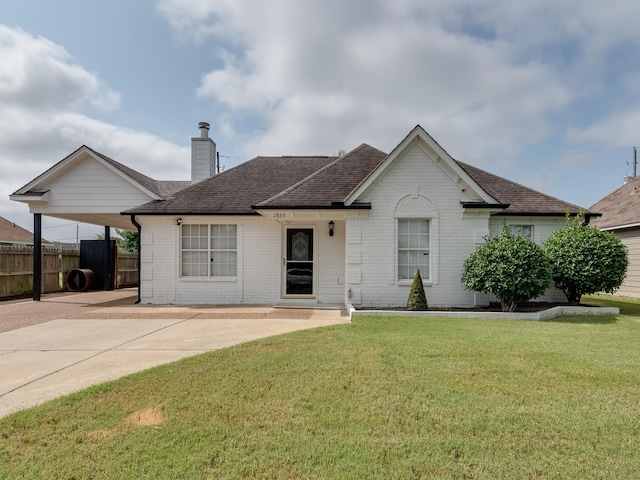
{"x": 332, "y": 182}
{"x": 620, "y": 209}
{"x": 12, "y": 233}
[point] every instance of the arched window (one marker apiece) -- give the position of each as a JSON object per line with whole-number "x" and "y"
{"x": 416, "y": 219}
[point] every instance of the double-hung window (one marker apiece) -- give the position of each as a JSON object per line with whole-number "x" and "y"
{"x": 522, "y": 230}
{"x": 413, "y": 248}
{"x": 224, "y": 251}
{"x": 209, "y": 250}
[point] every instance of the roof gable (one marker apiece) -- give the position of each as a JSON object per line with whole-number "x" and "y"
{"x": 90, "y": 187}
{"x": 154, "y": 189}
{"x": 418, "y": 136}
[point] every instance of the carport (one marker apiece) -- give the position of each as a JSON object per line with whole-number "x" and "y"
{"x": 89, "y": 187}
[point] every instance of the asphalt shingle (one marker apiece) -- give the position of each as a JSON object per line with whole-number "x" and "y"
{"x": 324, "y": 182}
{"x": 234, "y": 191}
{"x": 521, "y": 200}
{"x": 619, "y": 208}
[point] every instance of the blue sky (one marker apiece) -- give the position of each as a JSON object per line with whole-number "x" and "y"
{"x": 542, "y": 92}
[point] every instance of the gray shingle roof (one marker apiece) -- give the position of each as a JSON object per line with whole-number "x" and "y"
{"x": 521, "y": 200}
{"x": 234, "y": 191}
{"x": 320, "y": 182}
{"x": 621, "y": 207}
{"x": 332, "y": 183}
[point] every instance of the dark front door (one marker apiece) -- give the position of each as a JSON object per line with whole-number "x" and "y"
{"x": 299, "y": 261}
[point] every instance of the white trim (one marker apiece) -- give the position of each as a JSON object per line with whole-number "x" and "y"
{"x": 209, "y": 250}
{"x": 44, "y": 198}
{"x": 620, "y": 227}
{"x": 408, "y": 281}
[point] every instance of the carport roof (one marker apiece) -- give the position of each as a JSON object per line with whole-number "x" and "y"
{"x": 38, "y": 193}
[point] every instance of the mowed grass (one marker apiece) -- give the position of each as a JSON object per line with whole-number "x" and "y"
{"x": 384, "y": 397}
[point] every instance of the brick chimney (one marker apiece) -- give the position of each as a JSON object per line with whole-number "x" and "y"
{"x": 203, "y": 155}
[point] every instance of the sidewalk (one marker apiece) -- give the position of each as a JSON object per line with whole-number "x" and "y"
{"x": 68, "y": 342}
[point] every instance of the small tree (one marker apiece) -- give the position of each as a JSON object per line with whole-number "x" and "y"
{"x": 585, "y": 259}
{"x": 417, "y": 299}
{"x": 130, "y": 240}
{"x": 512, "y": 267}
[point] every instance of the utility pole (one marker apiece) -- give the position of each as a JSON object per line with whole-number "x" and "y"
{"x": 635, "y": 161}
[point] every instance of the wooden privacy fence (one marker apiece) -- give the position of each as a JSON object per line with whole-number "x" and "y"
{"x": 16, "y": 269}
{"x": 126, "y": 269}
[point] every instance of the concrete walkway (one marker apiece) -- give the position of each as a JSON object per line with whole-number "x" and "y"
{"x": 68, "y": 342}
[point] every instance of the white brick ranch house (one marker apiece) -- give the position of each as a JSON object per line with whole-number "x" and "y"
{"x": 302, "y": 230}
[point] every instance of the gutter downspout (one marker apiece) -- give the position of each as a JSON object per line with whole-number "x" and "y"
{"x": 139, "y": 227}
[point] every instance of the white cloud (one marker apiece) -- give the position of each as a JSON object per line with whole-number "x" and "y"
{"x": 616, "y": 130}
{"x": 332, "y": 75}
{"x": 37, "y": 74}
{"x": 42, "y": 95}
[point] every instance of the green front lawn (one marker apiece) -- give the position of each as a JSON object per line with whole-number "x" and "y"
{"x": 384, "y": 397}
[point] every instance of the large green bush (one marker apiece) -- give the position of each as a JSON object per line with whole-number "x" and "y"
{"x": 585, "y": 260}
{"x": 510, "y": 266}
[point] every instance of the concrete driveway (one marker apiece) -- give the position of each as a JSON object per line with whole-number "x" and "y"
{"x": 68, "y": 342}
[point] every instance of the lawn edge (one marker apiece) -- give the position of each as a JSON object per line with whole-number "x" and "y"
{"x": 542, "y": 315}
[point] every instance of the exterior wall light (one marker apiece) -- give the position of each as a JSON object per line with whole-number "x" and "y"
{"x": 331, "y": 225}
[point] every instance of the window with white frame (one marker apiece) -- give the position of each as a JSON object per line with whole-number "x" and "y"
{"x": 522, "y": 230}
{"x": 413, "y": 248}
{"x": 224, "y": 251}
{"x": 209, "y": 250}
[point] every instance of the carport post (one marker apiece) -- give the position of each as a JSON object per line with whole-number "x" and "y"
{"x": 37, "y": 256}
{"x": 108, "y": 258}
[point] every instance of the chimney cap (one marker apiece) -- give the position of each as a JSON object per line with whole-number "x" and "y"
{"x": 204, "y": 129}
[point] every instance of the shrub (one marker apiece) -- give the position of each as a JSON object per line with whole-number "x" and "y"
{"x": 417, "y": 299}
{"x": 585, "y": 259}
{"x": 510, "y": 266}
